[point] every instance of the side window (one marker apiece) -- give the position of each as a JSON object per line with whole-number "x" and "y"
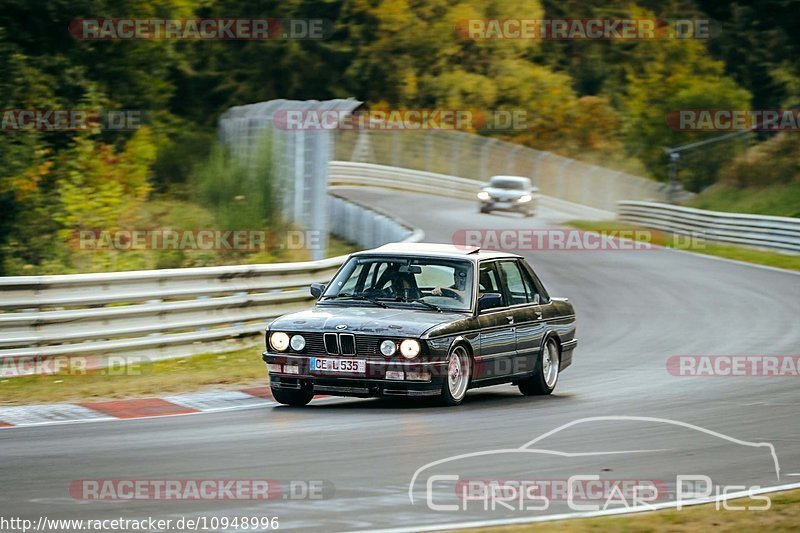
{"x": 487, "y": 279}
{"x": 533, "y": 281}
{"x": 530, "y": 286}
{"x": 517, "y": 289}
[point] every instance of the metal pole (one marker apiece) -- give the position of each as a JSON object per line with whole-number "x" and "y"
{"x": 673, "y": 177}
{"x": 319, "y": 193}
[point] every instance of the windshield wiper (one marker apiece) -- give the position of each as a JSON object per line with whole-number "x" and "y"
{"x": 359, "y": 297}
{"x": 423, "y": 302}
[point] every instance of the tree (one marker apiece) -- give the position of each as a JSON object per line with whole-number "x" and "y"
{"x": 670, "y": 75}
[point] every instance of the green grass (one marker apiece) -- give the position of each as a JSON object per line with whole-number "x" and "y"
{"x": 661, "y": 238}
{"x": 337, "y": 247}
{"x": 777, "y": 200}
{"x": 783, "y": 516}
{"x": 241, "y": 368}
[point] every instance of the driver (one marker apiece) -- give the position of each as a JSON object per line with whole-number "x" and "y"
{"x": 459, "y": 286}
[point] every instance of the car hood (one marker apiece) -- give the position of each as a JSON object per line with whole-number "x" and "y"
{"x": 368, "y": 320}
{"x": 505, "y": 194}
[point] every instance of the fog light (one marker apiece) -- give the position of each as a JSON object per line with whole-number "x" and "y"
{"x": 394, "y": 374}
{"x": 418, "y": 376}
{"x": 272, "y": 367}
{"x": 297, "y": 343}
{"x": 388, "y": 348}
{"x": 291, "y": 369}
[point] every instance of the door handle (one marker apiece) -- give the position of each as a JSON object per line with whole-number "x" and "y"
{"x": 538, "y": 314}
{"x": 510, "y": 319}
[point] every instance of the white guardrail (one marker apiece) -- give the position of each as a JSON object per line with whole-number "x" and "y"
{"x": 776, "y": 233}
{"x": 161, "y": 314}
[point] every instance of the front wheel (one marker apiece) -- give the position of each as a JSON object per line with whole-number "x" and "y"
{"x": 456, "y": 381}
{"x": 545, "y": 376}
{"x": 295, "y": 398}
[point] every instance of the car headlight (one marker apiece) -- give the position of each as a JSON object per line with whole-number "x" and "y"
{"x": 409, "y": 348}
{"x": 297, "y": 343}
{"x": 525, "y": 198}
{"x": 279, "y": 340}
{"x": 483, "y": 195}
{"x": 388, "y": 348}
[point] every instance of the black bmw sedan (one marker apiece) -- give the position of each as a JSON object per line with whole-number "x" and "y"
{"x": 422, "y": 320}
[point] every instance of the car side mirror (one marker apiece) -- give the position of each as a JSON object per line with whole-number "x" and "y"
{"x": 317, "y": 289}
{"x": 489, "y": 300}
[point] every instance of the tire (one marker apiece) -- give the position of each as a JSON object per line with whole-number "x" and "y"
{"x": 295, "y": 398}
{"x": 484, "y": 210}
{"x": 456, "y": 382}
{"x": 545, "y": 377}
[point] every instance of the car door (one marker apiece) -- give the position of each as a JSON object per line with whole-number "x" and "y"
{"x": 524, "y": 305}
{"x": 497, "y": 338}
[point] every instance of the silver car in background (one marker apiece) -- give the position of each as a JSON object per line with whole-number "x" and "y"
{"x": 509, "y": 193}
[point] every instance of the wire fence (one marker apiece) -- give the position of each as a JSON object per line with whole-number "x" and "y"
{"x": 476, "y": 157}
{"x": 300, "y": 159}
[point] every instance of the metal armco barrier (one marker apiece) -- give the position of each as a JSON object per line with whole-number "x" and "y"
{"x": 159, "y": 314}
{"x": 776, "y": 233}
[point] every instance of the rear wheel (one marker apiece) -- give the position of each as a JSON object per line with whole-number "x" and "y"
{"x": 545, "y": 376}
{"x": 456, "y": 381}
{"x": 296, "y": 398}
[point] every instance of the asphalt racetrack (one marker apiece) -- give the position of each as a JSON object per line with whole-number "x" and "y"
{"x": 635, "y": 309}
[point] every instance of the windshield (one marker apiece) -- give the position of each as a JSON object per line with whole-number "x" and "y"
{"x": 506, "y": 183}
{"x": 426, "y": 282}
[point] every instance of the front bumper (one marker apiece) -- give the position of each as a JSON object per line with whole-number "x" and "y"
{"x": 372, "y": 383}
{"x": 511, "y": 205}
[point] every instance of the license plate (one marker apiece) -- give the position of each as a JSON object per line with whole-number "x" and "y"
{"x": 353, "y": 366}
{"x": 502, "y": 204}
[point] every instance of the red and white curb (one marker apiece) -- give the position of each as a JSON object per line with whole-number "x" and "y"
{"x": 178, "y": 404}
